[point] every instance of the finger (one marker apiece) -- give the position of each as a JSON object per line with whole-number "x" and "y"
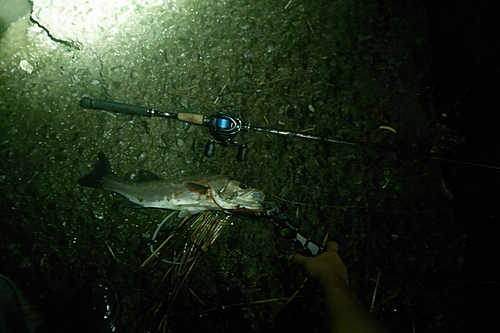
{"x": 332, "y": 246}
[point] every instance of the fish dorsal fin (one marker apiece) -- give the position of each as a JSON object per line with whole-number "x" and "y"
{"x": 195, "y": 187}
{"x": 145, "y": 176}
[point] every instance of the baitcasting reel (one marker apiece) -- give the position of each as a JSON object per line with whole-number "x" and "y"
{"x": 222, "y": 126}
{"x": 224, "y": 129}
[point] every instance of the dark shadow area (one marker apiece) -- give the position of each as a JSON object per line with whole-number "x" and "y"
{"x": 465, "y": 44}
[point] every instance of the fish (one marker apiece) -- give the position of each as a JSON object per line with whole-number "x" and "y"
{"x": 189, "y": 195}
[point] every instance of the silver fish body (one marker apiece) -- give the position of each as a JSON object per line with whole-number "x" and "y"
{"x": 189, "y": 195}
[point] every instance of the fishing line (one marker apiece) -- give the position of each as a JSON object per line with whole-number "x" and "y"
{"x": 157, "y": 230}
{"x": 153, "y": 240}
{"x": 430, "y": 210}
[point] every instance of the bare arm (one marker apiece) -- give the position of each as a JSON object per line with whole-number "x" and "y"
{"x": 345, "y": 312}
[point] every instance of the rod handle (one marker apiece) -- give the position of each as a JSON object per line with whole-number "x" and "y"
{"x": 99, "y": 104}
{"x": 192, "y": 118}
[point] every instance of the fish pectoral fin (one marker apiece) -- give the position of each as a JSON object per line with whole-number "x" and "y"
{"x": 145, "y": 175}
{"x": 194, "y": 187}
{"x": 129, "y": 204}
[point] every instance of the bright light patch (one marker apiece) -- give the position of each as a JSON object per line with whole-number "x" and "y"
{"x": 96, "y": 22}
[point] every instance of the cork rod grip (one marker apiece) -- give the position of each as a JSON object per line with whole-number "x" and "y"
{"x": 191, "y": 118}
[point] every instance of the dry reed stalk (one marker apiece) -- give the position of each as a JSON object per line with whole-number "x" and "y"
{"x": 187, "y": 248}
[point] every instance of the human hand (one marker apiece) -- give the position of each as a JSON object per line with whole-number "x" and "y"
{"x": 343, "y": 309}
{"x": 326, "y": 268}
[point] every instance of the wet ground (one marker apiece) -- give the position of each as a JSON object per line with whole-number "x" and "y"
{"x": 339, "y": 69}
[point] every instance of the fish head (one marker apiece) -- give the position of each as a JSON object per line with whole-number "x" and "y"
{"x": 231, "y": 194}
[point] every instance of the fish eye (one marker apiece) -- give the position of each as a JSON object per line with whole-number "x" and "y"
{"x": 243, "y": 186}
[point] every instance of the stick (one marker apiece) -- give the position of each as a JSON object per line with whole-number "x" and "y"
{"x": 375, "y": 291}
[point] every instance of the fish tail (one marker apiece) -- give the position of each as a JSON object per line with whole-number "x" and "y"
{"x": 95, "y": 178}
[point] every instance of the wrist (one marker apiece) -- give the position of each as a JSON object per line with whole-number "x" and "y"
{"x": 332, "y": 281}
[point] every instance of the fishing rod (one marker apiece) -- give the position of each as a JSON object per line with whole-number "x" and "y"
{"x": 224, "y": 128}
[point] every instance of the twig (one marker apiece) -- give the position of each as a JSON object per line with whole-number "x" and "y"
{"x": 155, "y": 252}
{"x": 221, "y": 91}
{"x": 388, "y": 298}
{"x": 111, "y": 250}
{"x": 375, "y": 291}
{"x": 310, "y": 27}
{"x": 325, "y": 239}
{"x": 199, "y": 299}
{"x": 277, "y": 299}
{"x": 296, "y": 292}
